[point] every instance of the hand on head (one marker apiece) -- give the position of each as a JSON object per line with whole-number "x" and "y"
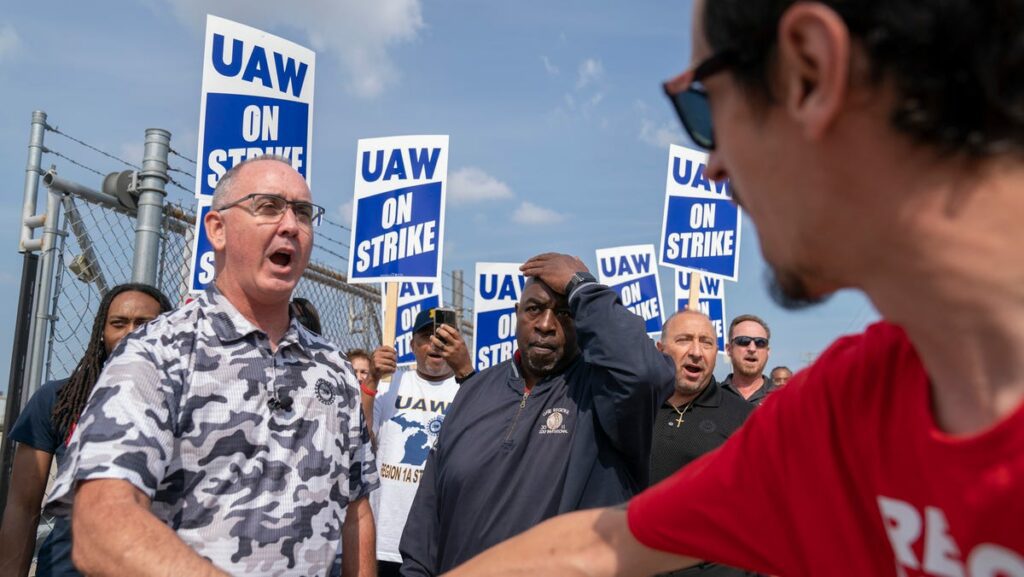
{"x": 553, "y": 269}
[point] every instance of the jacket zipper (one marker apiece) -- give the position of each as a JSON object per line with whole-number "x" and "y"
{"x": 522, "y": 405}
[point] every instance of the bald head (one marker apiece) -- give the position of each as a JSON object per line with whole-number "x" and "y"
{"x": 689, "y": 338}
{"x": 687, "y": 314}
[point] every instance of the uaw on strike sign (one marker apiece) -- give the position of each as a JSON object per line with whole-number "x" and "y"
{"x": 632, "y": 272}
{"x": 701, "y": 228}
{"x": 498, "y": 288}
{"x": 413, "y": 297}
{"x": 398, "y": 209}
{"x": 257, "y": 99}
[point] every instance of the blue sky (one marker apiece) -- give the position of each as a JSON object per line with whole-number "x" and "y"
{"x": 559, "y": 131}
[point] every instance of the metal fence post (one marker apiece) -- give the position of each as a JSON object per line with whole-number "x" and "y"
{"x": 151, "y": 206}
{"x": 41, "y": 317}
{"x": 33, "y": 170}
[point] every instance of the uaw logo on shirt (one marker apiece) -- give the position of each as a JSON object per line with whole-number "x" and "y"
{"x": 554, "y": 421}
{"x": 324, "y": 392}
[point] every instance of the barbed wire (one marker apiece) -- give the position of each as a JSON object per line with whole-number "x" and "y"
{"x": 331, "y": 252}
{"x": 177, "y": 184}
{"x": 180, "y": 155}
{"x": 72, "y": 161}
{"x": 180, "y": 171}
{"x": 338, "y": 225}
{"x": 56, "y": 130}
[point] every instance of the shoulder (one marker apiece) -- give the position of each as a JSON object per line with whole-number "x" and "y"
{"x": 482, "y": 386}
{"x": 734, "y": 404}
{"x": 163, "y": 335}
{"x": 883, "y": 347}
{"x": 855, "y": 369}
{"x": 34, "y": 426}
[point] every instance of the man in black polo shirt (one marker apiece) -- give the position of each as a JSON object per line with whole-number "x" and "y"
{"x": 699, "y": 416}
{"x": 748, "y": 349}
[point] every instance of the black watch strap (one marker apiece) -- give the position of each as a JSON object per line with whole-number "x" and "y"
{"x": 578, "y": 279}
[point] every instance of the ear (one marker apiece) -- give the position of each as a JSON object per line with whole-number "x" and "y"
{"x": 215, "y": 233}
{"x": 661, "y": 347}
{"x": 813, "y": 65}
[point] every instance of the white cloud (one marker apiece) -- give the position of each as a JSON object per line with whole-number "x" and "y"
{"x": 358, "y": 34}
{"x": 529, "y": 213}
{"x": 551, "y": 69}
{"x": 471, "y": 184}
{"x": 591, "y": 70}
{"x": 660, "y": 136}
{"x": 345, "y": 213}
{"x": 10, "y": 42}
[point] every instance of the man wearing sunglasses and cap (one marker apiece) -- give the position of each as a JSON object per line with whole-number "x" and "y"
{"x": 876, "y": 146}
{"x": 748, "y": 351}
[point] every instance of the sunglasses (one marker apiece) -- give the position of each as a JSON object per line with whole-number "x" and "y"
{"x": 759, "y": 342}
{"x": 688, "y": 97}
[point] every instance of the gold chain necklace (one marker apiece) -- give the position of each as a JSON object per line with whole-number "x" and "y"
{"x": 679, "y": 419}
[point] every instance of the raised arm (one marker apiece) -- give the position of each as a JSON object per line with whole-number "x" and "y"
{"x": 615, "y": 340}
{"x": 115, "y": 534}
{"x": 593, "y": 543}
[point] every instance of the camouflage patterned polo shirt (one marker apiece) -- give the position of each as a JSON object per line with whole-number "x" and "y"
{"x": 183, "y": 412}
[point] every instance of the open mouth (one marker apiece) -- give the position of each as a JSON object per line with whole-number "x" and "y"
{"x": 692, "y": 370}
{"x": 281, "y": 258}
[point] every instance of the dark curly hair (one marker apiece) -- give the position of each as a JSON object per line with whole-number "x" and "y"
{"x": 957, "y": 65}
{"x": 72, "y": 396}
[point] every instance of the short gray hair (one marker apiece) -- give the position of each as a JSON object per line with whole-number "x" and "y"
{"x": 222, "y": 192}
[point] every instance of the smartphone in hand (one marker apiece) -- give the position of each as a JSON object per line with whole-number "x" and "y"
{"x": 444, "y": 316}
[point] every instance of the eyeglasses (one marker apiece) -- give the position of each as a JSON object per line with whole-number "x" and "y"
{"x": 759, "y": 342}
{"x": 271, "y": 208}
{"x": 690, "y": 100}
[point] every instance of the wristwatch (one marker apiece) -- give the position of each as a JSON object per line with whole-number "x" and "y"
{"x": 578, "y": 279}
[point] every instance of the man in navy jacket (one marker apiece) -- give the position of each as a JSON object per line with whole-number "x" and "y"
{"x": 565, "y": 425}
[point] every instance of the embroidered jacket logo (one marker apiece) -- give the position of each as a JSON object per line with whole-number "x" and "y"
{"x": 554, "y": 422}
{"x": 324, "y": 392}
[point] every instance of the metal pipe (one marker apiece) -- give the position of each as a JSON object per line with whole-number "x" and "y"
{"x": 32, "y": 172}
{"x": 92, "y": 262}
{"x": 41, "y": 316}
{"x": 61, "y": 185}
{"x": 16, "y": 379}
{"x": 152, "y": 183}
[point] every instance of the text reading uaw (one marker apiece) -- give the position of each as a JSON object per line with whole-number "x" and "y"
{"x": 400, "y": 237}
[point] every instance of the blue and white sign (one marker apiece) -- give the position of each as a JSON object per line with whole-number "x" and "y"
{"x": 710, "y": 298}
{"x": 413, "y": 297}
{"x": 257, "y": 99}
{"x": 633, "y": 272}
{"x": 701, "y": 228}
{"x": 498, "y": 289}
{"x": 398, "y": 209}
{"x": 202, "y": 267}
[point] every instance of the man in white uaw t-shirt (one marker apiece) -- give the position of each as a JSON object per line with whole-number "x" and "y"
{"x": 407, "y": 416}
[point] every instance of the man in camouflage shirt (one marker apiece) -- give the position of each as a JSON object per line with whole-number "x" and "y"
{"x": 223, "y": 437}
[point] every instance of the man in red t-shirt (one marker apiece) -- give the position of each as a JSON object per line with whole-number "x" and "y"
{"x": 879, "y": 146}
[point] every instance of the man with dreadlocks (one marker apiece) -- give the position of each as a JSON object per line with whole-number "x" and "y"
{"x": 225, "y": 437}
{"x": 47, "y": 422}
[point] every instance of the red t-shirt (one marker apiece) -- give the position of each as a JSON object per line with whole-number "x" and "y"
{"x": 844, "y": 472}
